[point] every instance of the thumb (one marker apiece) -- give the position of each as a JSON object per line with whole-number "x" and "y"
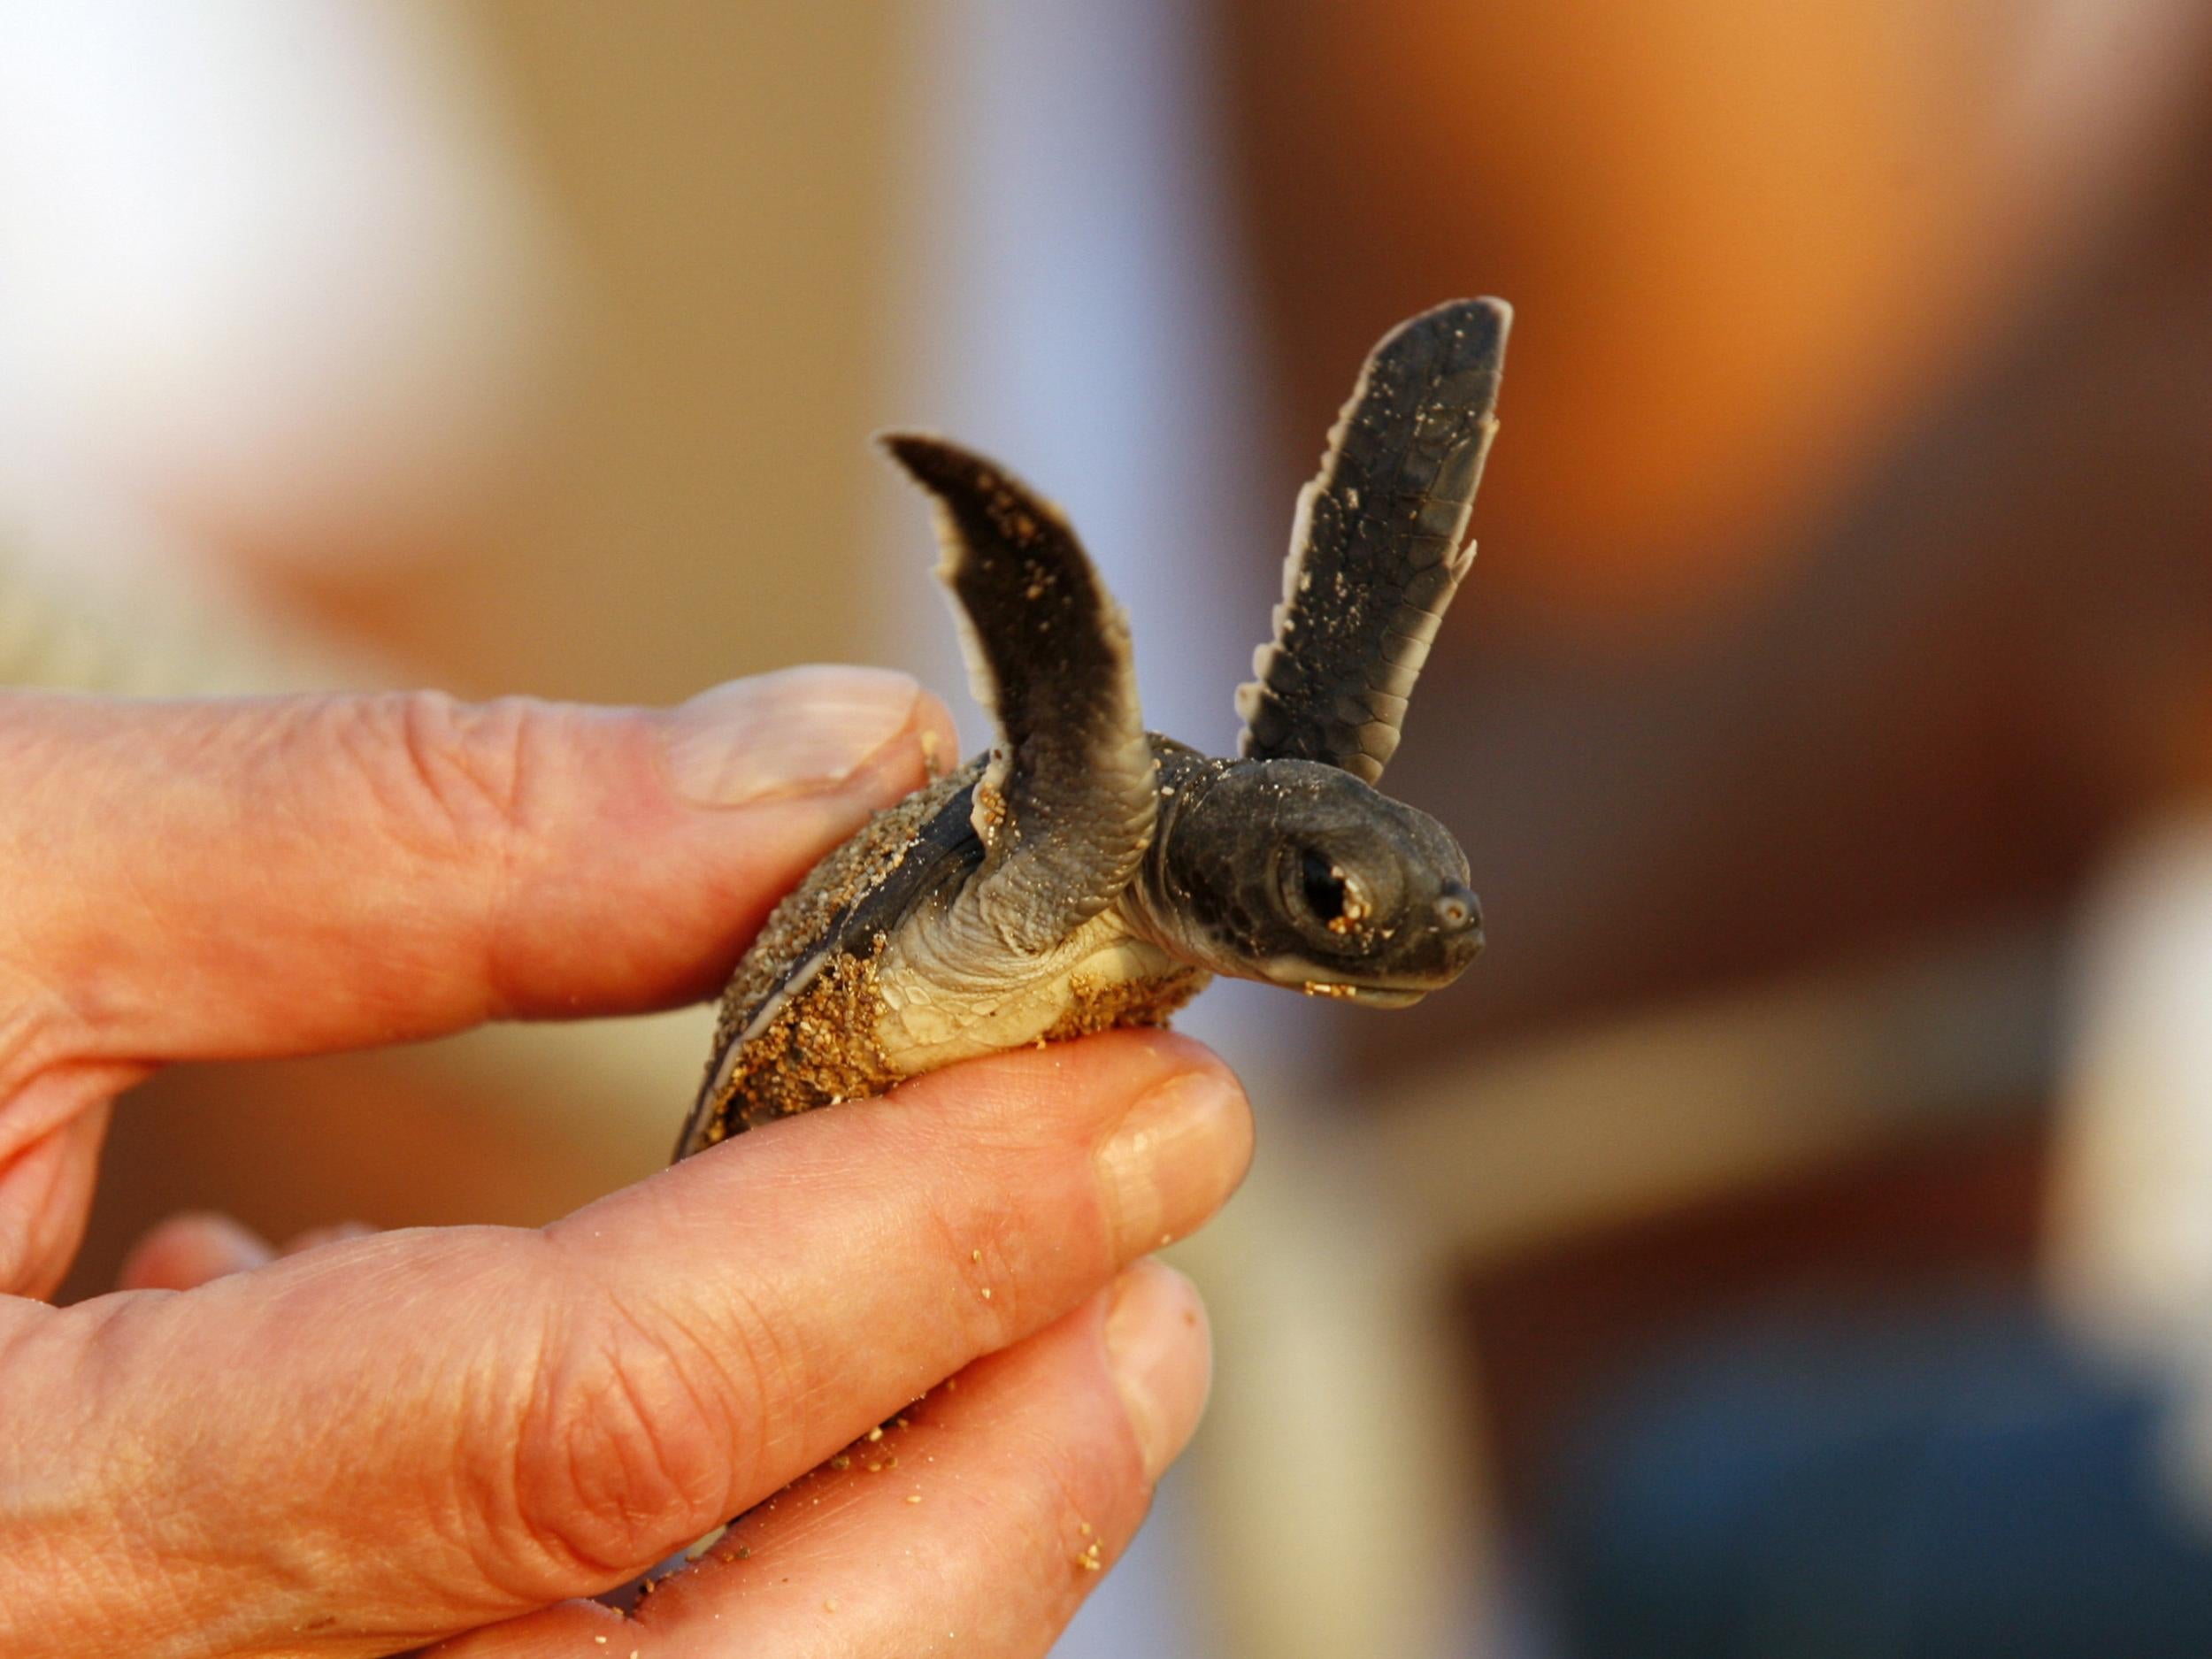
{"x": 237, "y": 878}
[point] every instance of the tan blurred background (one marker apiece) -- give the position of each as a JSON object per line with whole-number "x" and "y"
{"x": 674, "y": 227}
{"x": 1828, "y": 716}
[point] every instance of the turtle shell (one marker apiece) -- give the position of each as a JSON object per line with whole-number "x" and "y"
{"x": 795, "y": 1021}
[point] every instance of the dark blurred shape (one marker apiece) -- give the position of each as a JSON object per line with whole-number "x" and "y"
{"x": 1844, "y": 592}
{"x": 1555, "y": 1332}
{"x": 1831, "y": 592}
{"x": 1981, "y": 673}
{"x": 1944, "y": 1483}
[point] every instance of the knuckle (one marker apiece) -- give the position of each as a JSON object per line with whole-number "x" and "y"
{"x": 1081, "y": 1487}
{"x": 983, "y": 1246}
{"x": 449, "y": 774}
{"x": 1013, "y": 1232}
{"x": 456, "y": 788}
{"x": 641, "y": 1427}
{"x": 620, "y": 1452}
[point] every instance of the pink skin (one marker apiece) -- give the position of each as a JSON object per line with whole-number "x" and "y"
{"x": 367, "y": 1442}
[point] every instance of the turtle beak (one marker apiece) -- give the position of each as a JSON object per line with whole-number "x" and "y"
{"x": 1436, "y": 955}
{"x": 1376, "y": 997}
{"x": 1400, "y": 996}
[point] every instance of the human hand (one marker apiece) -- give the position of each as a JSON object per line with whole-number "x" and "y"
{"x": 447, "y": 1433}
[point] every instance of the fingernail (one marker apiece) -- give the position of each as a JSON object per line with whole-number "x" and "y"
{"x": 1170, "y": 1163}
{"x": 1161, "y": 1357}
{"x": 799, "y": 732}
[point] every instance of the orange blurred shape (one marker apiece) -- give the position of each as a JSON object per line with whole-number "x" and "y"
{"x": 1745, "y": 240}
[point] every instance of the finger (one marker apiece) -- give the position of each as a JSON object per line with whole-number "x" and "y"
{"x": 46, "y": 1180}
{"x": 315, "y": 1238}
{"x": 189, "y": 1250}
{"x": 436, "y": 1429}
{"x": 192, "y": 880}
{"x": 975, "y": 1525}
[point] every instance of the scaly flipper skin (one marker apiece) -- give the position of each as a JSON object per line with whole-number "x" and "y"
{"x": 1377, "y": 545}
{"x": 1065, "y": 807}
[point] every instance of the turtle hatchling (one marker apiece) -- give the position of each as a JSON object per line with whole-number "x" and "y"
{"x": 1087, "y": 872}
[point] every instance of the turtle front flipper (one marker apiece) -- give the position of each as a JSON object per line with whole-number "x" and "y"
{"x": 1065, "y": 807}
{"x": 1377, "y": 545}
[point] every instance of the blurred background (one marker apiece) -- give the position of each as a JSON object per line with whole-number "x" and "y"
{"x": 1795, "y": 1237}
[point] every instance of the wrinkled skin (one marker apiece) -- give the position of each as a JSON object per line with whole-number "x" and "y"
{"x": 367, "y": 1443}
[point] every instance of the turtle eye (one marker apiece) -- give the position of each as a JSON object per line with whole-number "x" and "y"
{"x": 1332, "y": 895}
{"x": 1323, "y": 885}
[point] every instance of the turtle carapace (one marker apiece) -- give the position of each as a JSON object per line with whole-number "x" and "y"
{"x": 1087, "y": 872}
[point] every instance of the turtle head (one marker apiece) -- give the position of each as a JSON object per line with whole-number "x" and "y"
{"x": 1301, "y": 874}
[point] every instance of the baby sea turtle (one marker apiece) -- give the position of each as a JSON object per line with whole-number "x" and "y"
{"x": 1087, "y": 872}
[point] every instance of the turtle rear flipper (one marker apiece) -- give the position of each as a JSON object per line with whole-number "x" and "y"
{"x": 1066, "y": 806}
{"x": 1377, "y": 545}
